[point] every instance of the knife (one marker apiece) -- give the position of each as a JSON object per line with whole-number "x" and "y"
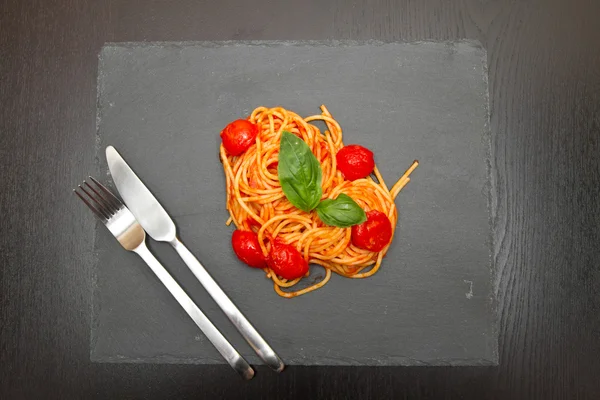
{"x": 159, "y": 225}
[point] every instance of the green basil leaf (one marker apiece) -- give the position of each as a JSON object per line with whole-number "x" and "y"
{"x": 342, "y": 212}
{"x": 299, "y": 172}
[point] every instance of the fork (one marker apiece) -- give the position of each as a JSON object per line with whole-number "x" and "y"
{"x": 126, "y": 229}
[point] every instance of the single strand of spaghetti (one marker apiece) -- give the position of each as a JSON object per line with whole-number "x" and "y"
{"x": 402, "y": 181}
{"x": 392, "y": 216}
{"x": 336, "y": 136}
{"x": 327, "y": 119}
{"x": 257, "y": 111}
{"x": 305, "y": 290}
{"x": 326, "y": 112}
{"x": 400, "y": 184}
{"x": 358, "y": 270}
{"x": 282, "y": 282}
{"x": 380, "y": 178}
{"x": 372, "y": 271}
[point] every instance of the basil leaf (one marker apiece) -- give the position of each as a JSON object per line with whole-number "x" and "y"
{"x": 342, "y": 212}
{"x": 299, "y": 172}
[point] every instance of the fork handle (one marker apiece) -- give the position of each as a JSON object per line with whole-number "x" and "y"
{"x": 234, "y": 359}
{"x": 254, "y": 339}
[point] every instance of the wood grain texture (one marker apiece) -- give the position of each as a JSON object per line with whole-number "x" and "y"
{"x": 544, "y": 82}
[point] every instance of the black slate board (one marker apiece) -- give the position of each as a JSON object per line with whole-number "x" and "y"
{"x": 432, "y": 303}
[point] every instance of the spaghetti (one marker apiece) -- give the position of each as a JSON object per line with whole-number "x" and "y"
{"x": 256, "y": 202}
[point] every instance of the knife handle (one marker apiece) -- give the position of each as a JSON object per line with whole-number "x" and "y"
{"x": 230, "y": 354}
{"x": 254, "y": 339}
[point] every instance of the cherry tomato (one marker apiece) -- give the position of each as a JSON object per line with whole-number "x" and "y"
{"x": 238, "y": 136}
{"x": 355, "y": 162}
{"x": 373, "y": 234}
{"x": 286, "y": 261}
{"x": 246, "y": 248}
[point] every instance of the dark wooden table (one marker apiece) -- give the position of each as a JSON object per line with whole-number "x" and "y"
{"x": 544, "y": 82}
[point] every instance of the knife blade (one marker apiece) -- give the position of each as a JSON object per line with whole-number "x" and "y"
{"x": 159, "y": 225}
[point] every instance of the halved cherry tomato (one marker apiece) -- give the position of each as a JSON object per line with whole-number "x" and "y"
{"x": 286, "y": 261}
{"x": 238, "y": 136}
{"x": 355, "y": 162}
{"x": 373, "y": 234}
{"x": 247, "y": 249}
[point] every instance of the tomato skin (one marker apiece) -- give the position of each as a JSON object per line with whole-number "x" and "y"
{"x": 247, "y": 249}
{"x": 286, "y": 261}
{"x": 373, "y": 234}
{"x": 355, "y": 162}
{"x": 238, "y": 136}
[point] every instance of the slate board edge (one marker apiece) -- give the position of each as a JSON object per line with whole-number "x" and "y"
{"x": 492, "y": 190}
{"x": 274, "y": 43}
{"x": 305, "y": 362}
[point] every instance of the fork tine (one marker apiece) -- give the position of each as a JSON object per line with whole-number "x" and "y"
{"x": 96, "y": 212}
{"x": 110, "y": 196}
{"x": 98, "y": 204}
{"x": 106, "y": 204}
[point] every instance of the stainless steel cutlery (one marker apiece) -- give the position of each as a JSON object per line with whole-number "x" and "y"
{"x": 142, "y": 213}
